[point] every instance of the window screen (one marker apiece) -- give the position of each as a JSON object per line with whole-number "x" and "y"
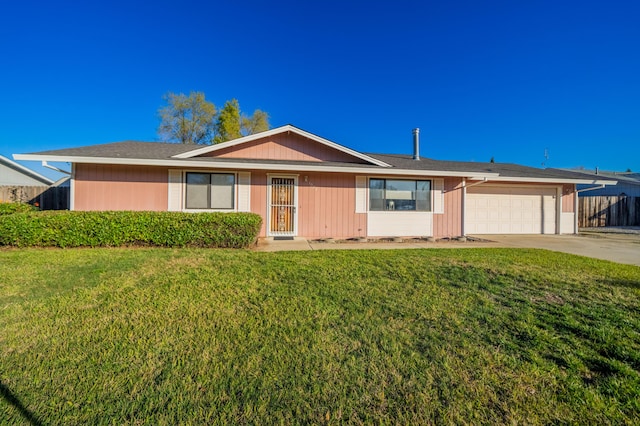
{"x": 210, "y": 191}
{"x": 222, "y": 191}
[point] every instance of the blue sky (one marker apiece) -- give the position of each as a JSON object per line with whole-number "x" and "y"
{"x": 481, "y": 79}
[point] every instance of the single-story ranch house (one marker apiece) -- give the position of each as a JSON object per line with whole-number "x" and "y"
{"x": 304, "y": 185}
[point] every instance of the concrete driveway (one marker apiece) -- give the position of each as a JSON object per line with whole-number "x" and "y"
{"x": 621, "y": 248}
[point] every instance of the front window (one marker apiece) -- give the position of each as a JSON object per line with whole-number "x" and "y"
{"x": 210, "y": 191}
{"x": 397, "y": 194}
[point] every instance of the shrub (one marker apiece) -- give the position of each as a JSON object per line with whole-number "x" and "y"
{"x": 111, "y": 229}
{"x": 11, "y": 208}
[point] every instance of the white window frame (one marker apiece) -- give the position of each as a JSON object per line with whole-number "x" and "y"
{"x": 183, "y": 201}
{"x": 368, "y": 193}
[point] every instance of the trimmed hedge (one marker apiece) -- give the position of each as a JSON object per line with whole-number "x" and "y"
{"x": 11, "y": 208}
{"x": 121, "y": 228}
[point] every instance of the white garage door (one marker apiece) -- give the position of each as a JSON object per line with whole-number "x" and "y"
{"x": 510, "y": 210}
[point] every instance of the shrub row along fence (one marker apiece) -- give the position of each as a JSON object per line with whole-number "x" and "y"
{"x": 113, "y": 229}
{"x": 608, "y": 211}
{"x": 43, "y": 197}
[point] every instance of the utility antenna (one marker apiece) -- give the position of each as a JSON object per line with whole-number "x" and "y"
{"x": 546, "y": 156}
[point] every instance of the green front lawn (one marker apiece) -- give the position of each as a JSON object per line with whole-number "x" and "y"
{"x": 197, "y": 336}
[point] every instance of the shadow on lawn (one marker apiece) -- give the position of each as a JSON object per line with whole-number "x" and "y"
{"x": 623, "y": 283}
{"x": 13, "y": 400}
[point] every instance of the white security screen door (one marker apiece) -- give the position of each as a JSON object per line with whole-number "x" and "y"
{"x": 282, "y": 208}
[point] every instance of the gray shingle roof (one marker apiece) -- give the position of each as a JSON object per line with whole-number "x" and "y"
{"x": 165, "y": 151}
{"x": 125, "y": 149}
{"x": 504, "y": 169}
{"x": 626, "y": 177}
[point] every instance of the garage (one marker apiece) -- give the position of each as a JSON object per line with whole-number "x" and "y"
{"x": 495, "y": 209}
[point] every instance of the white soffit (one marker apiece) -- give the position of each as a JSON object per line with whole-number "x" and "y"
{"x": 241, "y": 165}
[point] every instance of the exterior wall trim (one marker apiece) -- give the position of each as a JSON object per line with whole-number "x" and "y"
{"x": 420, "y": 224}
{"x": 559, "y": 209}
{"x": 362, "y": 194}
{"x": 72, "y": 188}
{"x": 175, "y": 198}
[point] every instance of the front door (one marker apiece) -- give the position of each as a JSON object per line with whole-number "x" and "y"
{"x": 282, "y": 206}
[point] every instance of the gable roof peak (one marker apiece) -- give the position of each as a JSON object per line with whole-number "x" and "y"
{"x": 279, "y": 130}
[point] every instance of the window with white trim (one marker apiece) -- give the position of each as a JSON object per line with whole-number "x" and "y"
{"x": 399, "y": 194}
{"x": 210, "y": 191}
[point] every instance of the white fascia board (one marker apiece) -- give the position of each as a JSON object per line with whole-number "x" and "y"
{"x": 552, "y": 180}
{"x": 255, "y": 166}
{"x": 282, "y": 129}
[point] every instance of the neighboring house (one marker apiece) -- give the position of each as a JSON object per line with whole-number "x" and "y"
{"x": 14, "y": 174}
{"x": 21, "y": 184}
{"x": 304, "y": 185}
{"x": 628, "y": 184}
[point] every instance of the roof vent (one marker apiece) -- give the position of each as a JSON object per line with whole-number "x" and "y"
{"x": 416, "y": 144}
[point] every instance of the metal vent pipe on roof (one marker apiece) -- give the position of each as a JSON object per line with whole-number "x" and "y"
{"x": 416, "y": 144}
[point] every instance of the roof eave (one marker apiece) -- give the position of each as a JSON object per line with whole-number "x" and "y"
{"x": 248, "y": 166}
{"x": 174, "y": 162}
{"x": 554, "y": 180}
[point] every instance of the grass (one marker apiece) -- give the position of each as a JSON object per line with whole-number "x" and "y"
{"x": 196, "y": 336}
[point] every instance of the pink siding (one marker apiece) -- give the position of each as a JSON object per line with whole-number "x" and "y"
{"x": 326, "y": 202}
{"x": 116, "y": 187}
{"x": 285, "y": 146}
{"x": 568, "y": 198}
{"x": 326, "y": 205}
{"x": 449, "y": 224}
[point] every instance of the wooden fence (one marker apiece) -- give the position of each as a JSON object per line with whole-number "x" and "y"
{"x": 608, "y": 211}
{"x": 44, "y": 197}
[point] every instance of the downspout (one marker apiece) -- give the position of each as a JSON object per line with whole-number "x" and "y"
{"x": 576, "y": 205}
{"x": 464, "y": 201}
{"x": 558, "y": 210}
{"x": 72, "y": 187}
{"x": 464, "y": 206}
{"x": 575, "y": 212}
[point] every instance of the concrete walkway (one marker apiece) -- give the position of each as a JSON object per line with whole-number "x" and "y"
{"x": 299, "y": 243}
{"x": 621, "y": 248}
